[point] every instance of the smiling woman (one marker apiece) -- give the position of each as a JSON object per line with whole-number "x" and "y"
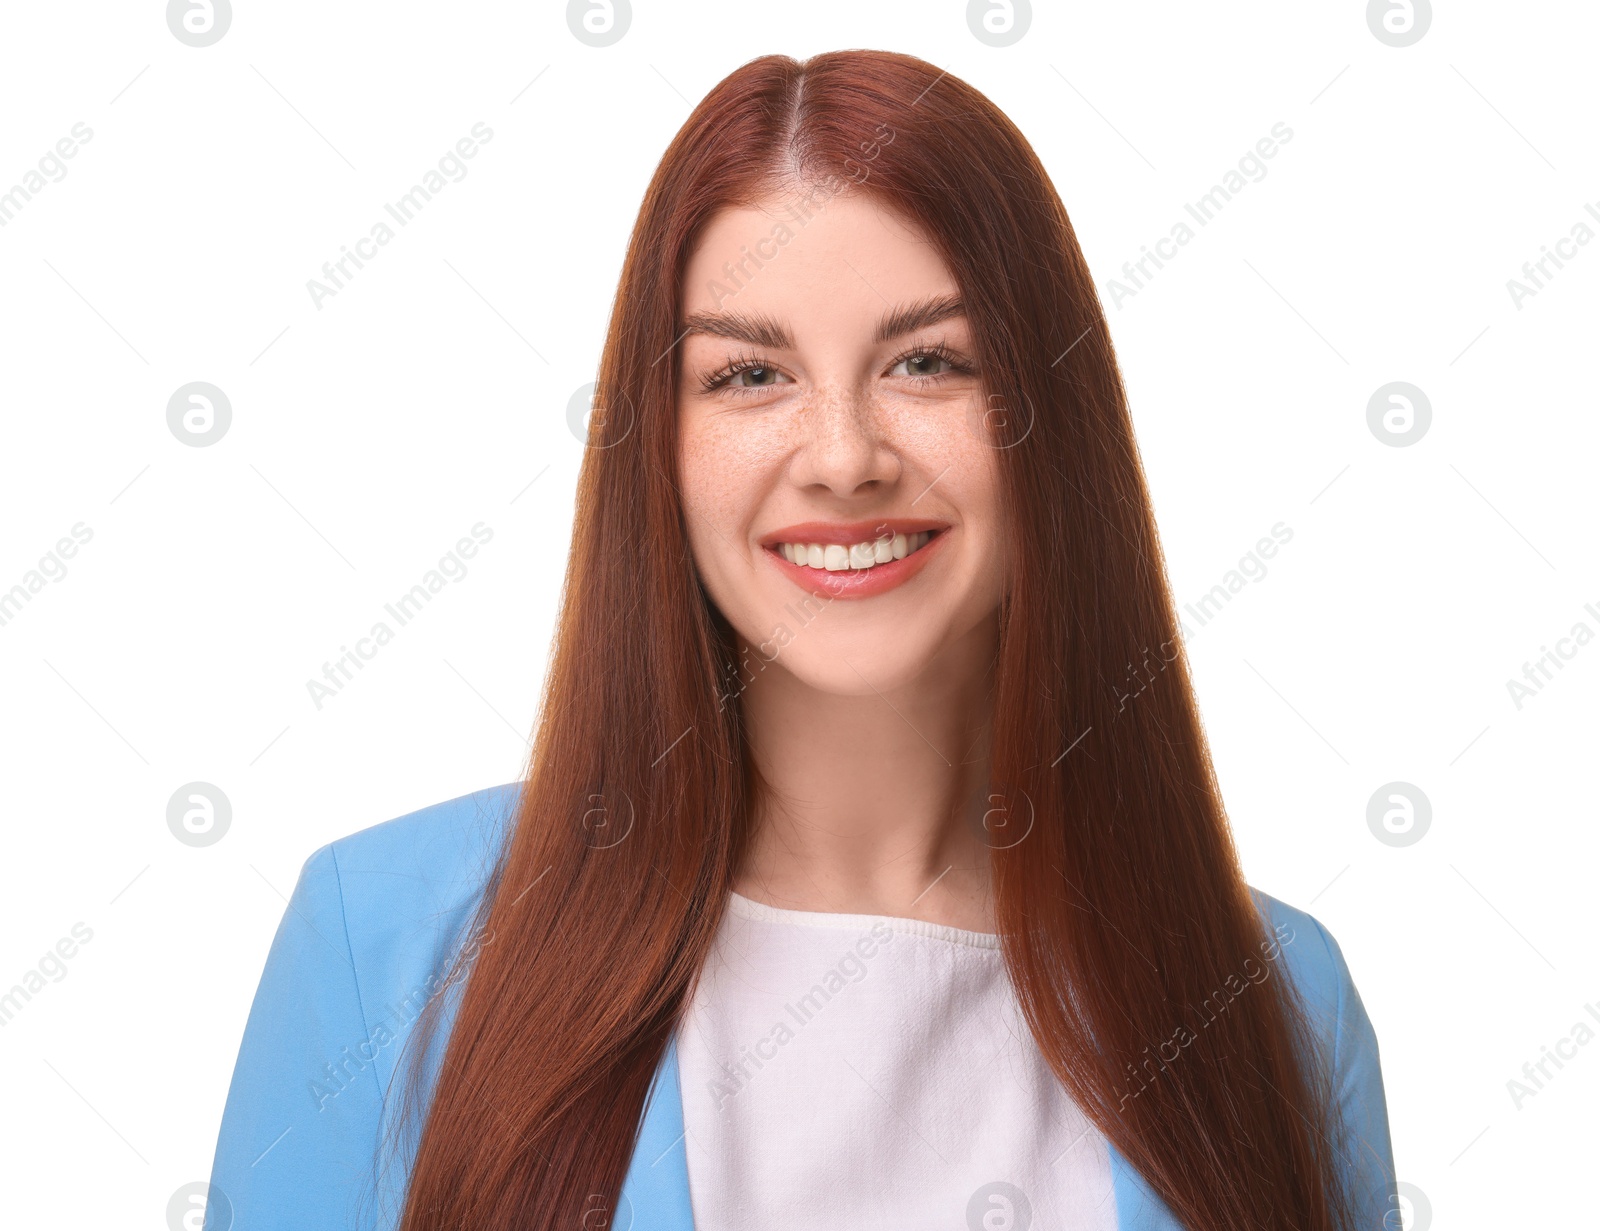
{"x": 901, "y": 438}
{"x": 816, "y": 396}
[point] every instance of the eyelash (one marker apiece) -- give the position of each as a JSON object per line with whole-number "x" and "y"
{"x": 747, "y": 362}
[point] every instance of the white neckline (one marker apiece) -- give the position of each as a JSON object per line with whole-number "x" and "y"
{"x": 749, "y": 908}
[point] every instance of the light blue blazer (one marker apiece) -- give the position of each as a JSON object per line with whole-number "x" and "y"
{"x": 368, "y": 936}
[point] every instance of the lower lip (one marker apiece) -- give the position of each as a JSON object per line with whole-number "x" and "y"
{"x": 858, "y": 583}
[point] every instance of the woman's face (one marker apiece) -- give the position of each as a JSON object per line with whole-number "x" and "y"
{"x": 831, "y": 415}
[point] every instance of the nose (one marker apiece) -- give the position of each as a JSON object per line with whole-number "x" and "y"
{"x": 844, "y": 444}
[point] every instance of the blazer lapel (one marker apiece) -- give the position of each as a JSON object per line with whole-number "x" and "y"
{"x": 655, "y": 1193}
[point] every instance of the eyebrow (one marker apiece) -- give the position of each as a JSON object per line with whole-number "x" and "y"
{"x": 761, "y": 330}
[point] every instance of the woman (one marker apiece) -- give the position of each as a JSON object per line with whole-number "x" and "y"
{"x": 856, "y": 875}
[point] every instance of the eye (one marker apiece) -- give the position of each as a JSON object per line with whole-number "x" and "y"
{"x": 760, "y": 377}
{"x": 731, "y": 377}
{"x": 929, "y": 364}
{"x": 924, "y": 363}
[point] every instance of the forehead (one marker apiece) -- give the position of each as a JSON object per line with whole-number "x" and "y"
{"x": 844, "y": 255}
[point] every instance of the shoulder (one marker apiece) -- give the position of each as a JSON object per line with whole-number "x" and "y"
{"x": 397, "y": 896}
{"x": 367, "y": 940}
{"x": 1348, "y": 1046}
{"x": 1316, "y": 965}
{"x": 430, "y": 859}
{"x": 1309, "y": 953}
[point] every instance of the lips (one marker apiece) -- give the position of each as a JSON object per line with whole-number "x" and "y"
{"x": 855, "y": 582}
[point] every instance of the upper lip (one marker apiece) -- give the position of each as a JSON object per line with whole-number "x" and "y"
{"x": 847, "y": 533}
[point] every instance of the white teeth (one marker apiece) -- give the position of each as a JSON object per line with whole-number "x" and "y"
{"x": 836, "y": 557}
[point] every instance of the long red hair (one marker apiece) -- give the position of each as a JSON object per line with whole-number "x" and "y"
{"x": 1122, "y": 911}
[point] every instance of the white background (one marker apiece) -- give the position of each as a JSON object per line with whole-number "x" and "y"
{"x": 431, "y": 393}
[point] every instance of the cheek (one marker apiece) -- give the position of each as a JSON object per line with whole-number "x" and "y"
{"x": 970, "y": 484}
{"x": 950, "y": 453}
{"x": 725, "y": 468}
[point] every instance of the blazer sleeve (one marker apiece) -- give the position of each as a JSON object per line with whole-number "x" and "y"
{"x": 1368, "y": 1155}
{"x": 300, "y": 1127}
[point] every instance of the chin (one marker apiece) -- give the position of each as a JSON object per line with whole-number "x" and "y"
{"x": 854, "y": 668}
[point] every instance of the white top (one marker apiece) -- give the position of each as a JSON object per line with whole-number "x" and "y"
{"x": 862, "y": 1070}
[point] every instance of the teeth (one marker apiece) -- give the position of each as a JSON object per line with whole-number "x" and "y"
{"x": 836, "y": 557}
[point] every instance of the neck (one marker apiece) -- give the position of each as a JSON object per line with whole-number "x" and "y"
{"x": 874, "y": 802}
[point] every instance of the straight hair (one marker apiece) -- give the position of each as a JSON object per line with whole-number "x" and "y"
{"x": 1119, "y": 899}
